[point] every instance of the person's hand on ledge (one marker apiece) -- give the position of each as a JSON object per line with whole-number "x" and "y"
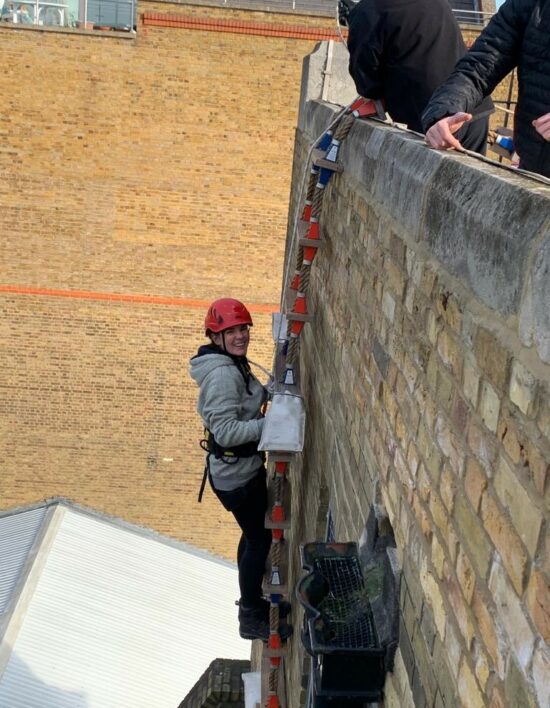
{"x": 441, "y": 135}
{"x": 542, "y": 126}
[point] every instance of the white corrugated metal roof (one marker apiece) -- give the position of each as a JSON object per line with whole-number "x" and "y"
{"x": 119, "y": 618}
{"x": 17, "y": 534}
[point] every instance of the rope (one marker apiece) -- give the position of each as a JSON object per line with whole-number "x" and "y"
{"x": 298, "y": 205}
{"x": 274, "y": 617}
{"x": 344, "y": 127}
{"x": 276, "y": 553}
{"x": 317, "y": 203}
{"x": 299, "y": 257}
{"x": 273, "y": 679}
{"x": 292, "y": 352}
{"x": 278, "y": 487}
{"x": 311, "y": 185}
{"x": 305, "y": 277}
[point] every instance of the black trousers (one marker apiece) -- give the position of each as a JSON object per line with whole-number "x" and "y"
{"x": 248, "y": 505}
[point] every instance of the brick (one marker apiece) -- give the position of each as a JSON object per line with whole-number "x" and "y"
{"x": 543, "y": 415}
{"x": 450, "y": 310}
{"x": 482, "y": 668}
{"x": 468, "y": 688}
{"x": 445, "y": 390}
{"x": 450, "y": 353}
{"x": 439, "y": 513}
{"x": 447, "y": 488}
{"x": 429, "y": 451}
{"x": 544, "y": 554}
{"x": 483, "y": 446}
{"x": 412, "y": 458}
{"x": 433, "y": 326}
{"x": 422, "y": 517}
{"x": 517, "y": 689}
{"x": 523, "y": 388}
{"x": 537, "y": 463}
{"x": 409, "y": 618}
{"x": 438, "y": 556}
{"x": 427, "y": 405}
{"x": 419, "y": 694}
{"x": 410, "y": 372}
{"x": 472, "y": 535}
{"x": 489, "y": 406}
{"x": 423, "y": 483}
{"x": 470, "y": 381}
{"x": 432, "y": 372}
{"x": 388, "y": 305}
{"x": 512, "y": 616}
{"x": 475, "y": 482}
{"x": 427, "y": 624}
{"x": 398, "y": 250}
{"x": 510, "y": 436}
{"x": 427, "y": 280}
{"x": 401, "y": 430}
{"x": 526, "y": 517}
{"x": 449, "y": 444}
{"x": 460, "y": 608}
{"x": 492, "y": 358}
{"x": 395, "y": 278}
{"x": 434, "y": 599}
{"x": 506, "y": 540}
{"x": 460, "y": 412}
{"x": 538, "y": 602}
{"x": 452, "y": 543}
{"x": 489, "y": 630}
{"x": 497, "y": 698}
{"x": 454, "y": 645}
{"x": 465, "y": 574}
{"x": 541, "y": 674}
{"x": 442, "y": 669}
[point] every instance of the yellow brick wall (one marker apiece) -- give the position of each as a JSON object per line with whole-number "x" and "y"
{"x": 424, "y": 395}
{"x": 156, "y": 166}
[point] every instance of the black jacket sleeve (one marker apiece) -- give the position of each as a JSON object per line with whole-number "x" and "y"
{"x": 365, "y": 45}
{"x": 493, "y": 55}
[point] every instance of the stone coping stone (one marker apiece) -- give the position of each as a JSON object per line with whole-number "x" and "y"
{"x": 487, "y": 225}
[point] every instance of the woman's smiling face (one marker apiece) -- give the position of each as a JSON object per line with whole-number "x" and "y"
{"x": 235, "y": 339}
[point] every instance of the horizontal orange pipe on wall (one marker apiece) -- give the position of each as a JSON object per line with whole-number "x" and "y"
{"x": 125, "y": 297}
{"x": 264, "y": 29}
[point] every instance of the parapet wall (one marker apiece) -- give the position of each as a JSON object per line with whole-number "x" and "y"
{"x": 426, "y": 375}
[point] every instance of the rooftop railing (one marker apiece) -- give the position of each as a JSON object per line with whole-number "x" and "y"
{"x": 120, "y": 14}
{"x": 87, "y": 14}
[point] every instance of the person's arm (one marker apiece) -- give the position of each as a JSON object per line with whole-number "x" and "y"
{"x": 365, "y": 45}
{"x": 221, "y": 393}
{"x": 493, "y": 55}
{"x": 542, "y": 126}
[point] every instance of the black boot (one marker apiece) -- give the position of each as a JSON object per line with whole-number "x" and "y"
{"x": 253, "y": 624}
{"x": 284, "y": 608}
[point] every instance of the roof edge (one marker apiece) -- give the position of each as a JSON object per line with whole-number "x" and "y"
{"x": 117, "y": 521}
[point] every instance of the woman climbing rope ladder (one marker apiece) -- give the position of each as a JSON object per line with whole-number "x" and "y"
{"x": 230, "y": 404}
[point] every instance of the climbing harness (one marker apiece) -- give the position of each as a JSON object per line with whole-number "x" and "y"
{"x": 229, "y": 455}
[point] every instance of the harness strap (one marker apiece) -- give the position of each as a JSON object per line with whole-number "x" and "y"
{"x": 204, "y": 478}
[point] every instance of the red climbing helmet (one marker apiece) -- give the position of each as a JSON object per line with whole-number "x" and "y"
{"x": 225, "y": 313}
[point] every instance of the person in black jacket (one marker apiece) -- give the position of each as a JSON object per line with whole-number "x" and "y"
{"x": 401, "y": 51}
{"x": 517, "y": 36}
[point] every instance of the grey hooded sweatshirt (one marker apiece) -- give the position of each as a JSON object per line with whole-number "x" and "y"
{"x": 230, "y": 412}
